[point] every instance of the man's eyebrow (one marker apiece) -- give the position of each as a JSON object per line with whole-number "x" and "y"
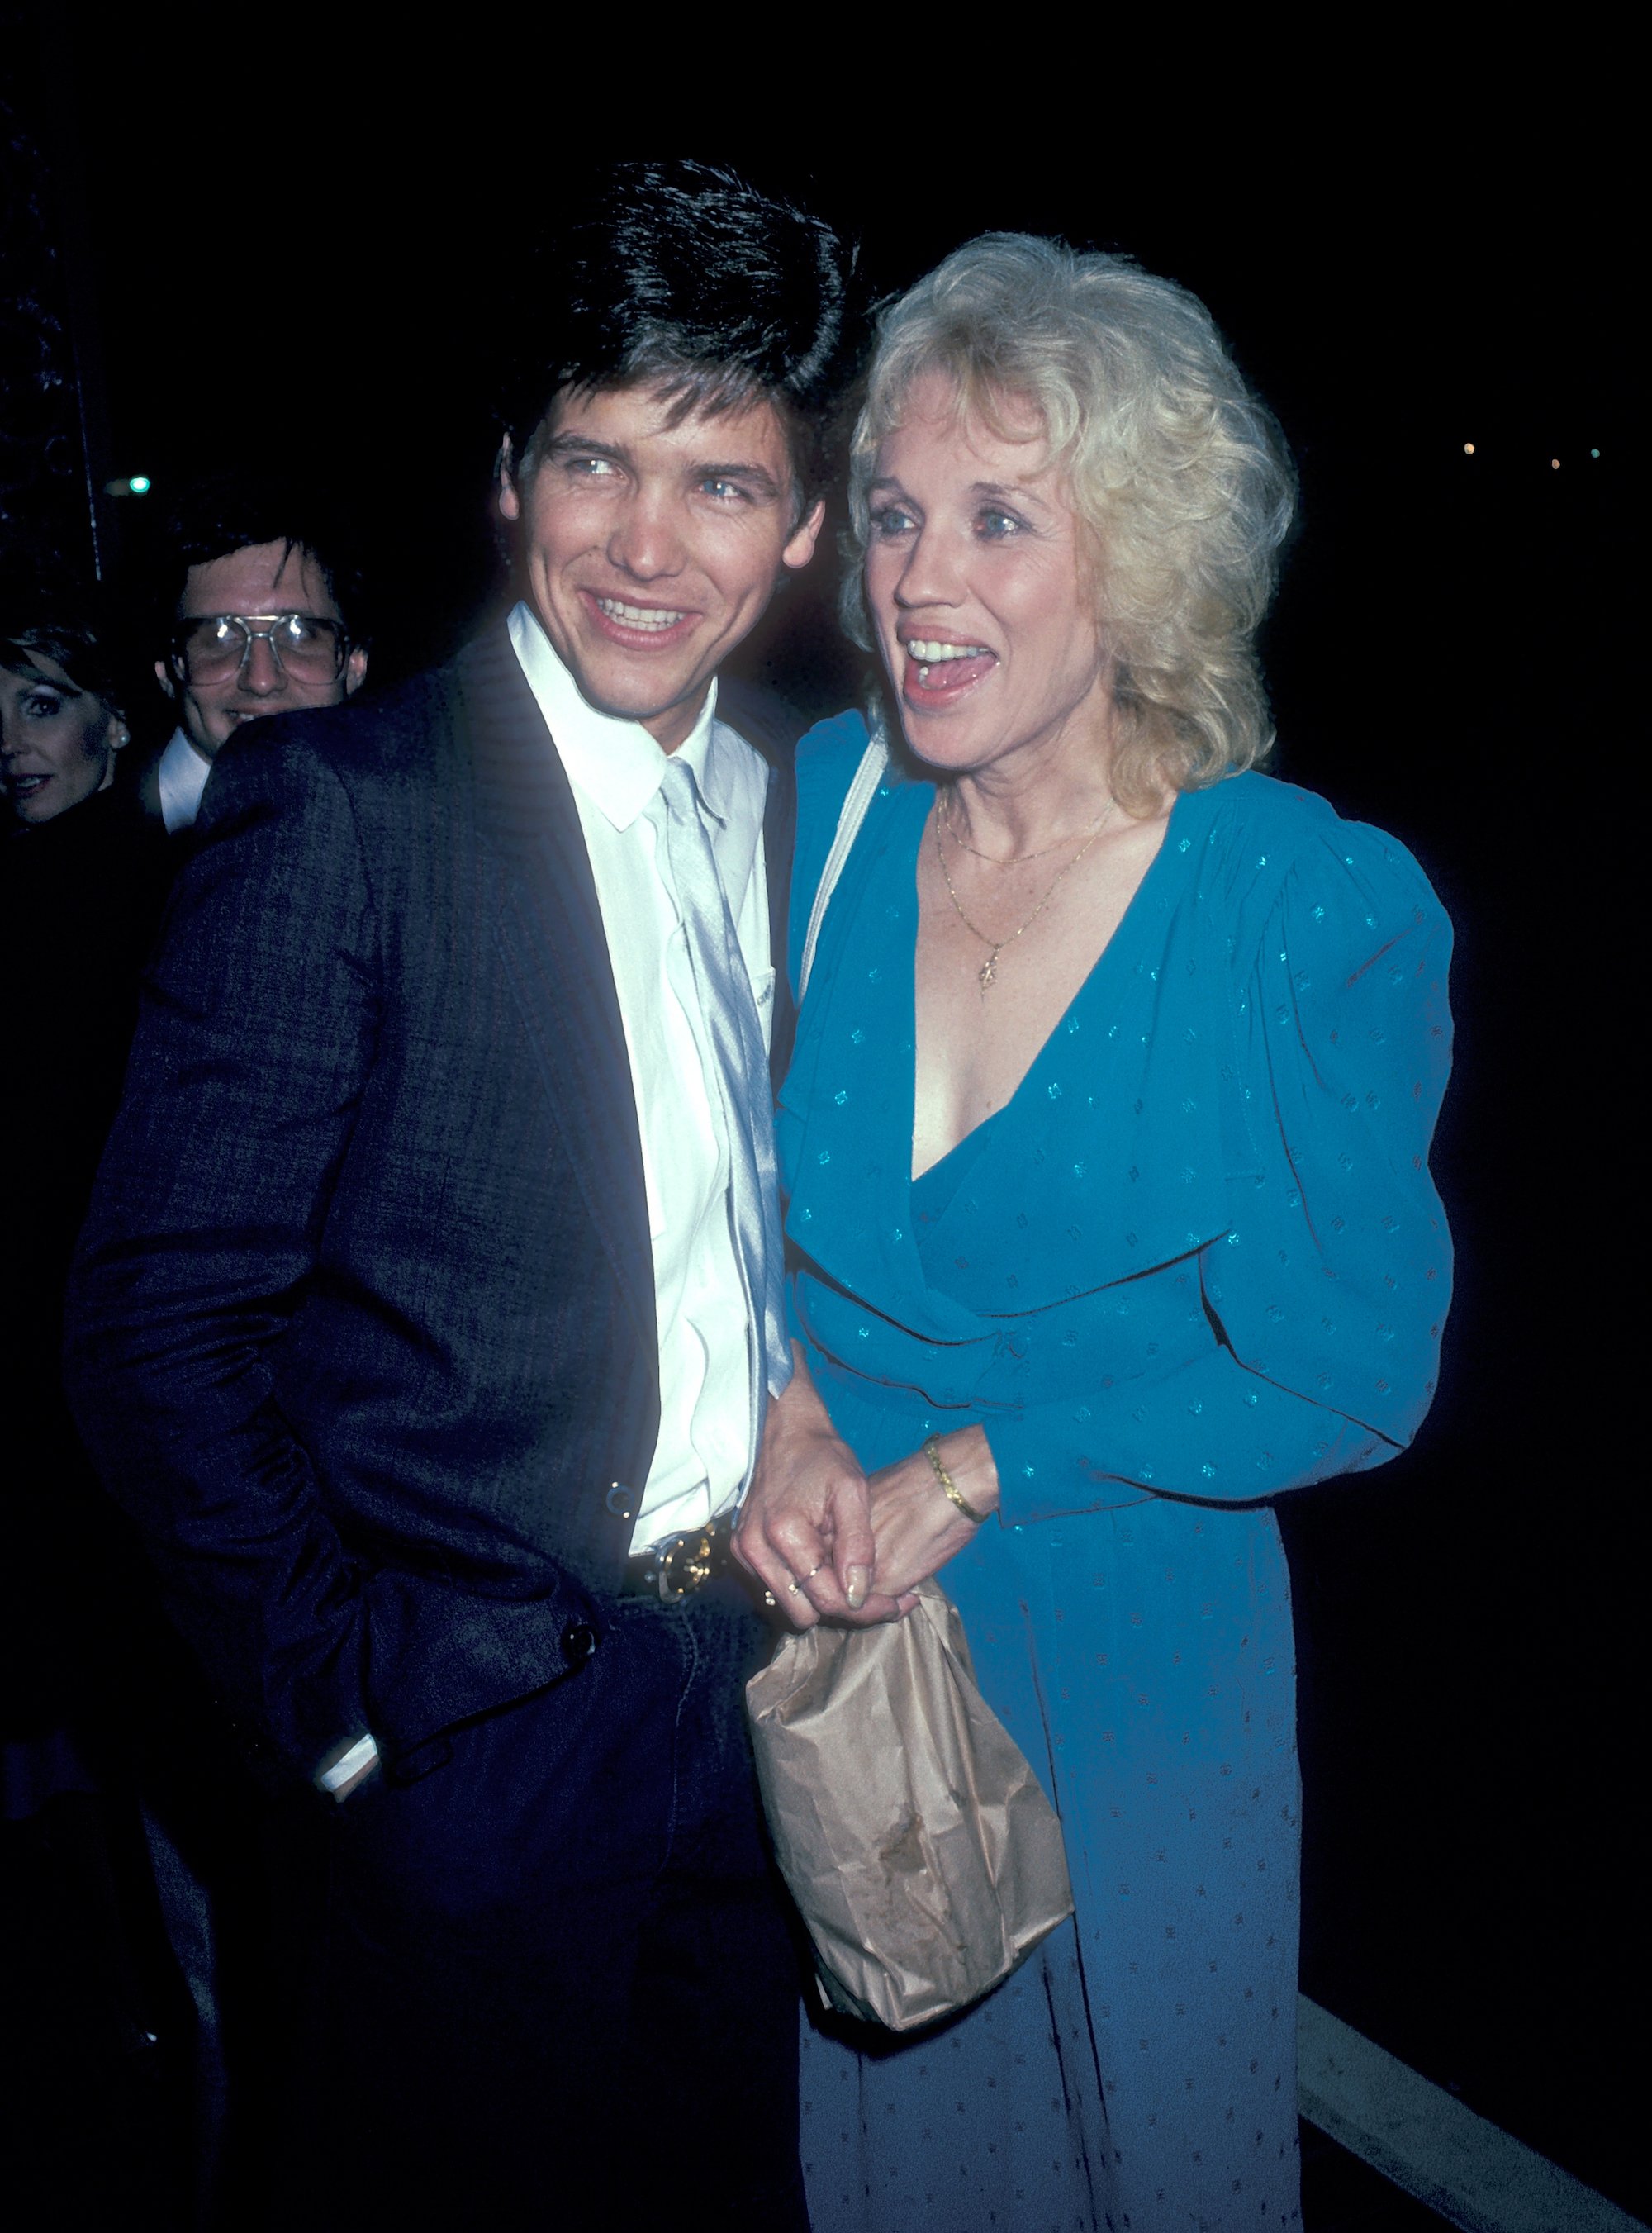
{"x": 739, "y": 469}
{"x": 571, "y": 443}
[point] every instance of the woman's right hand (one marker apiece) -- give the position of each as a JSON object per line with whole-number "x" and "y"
{"x": 806, "y": 1528}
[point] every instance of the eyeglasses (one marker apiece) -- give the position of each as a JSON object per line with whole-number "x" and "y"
{"x": 210, "y": 647}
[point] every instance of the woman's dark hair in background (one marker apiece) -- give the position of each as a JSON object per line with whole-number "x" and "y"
{"x": 70, "y": 625}
{"x": 682, "y": 275}
{"x": 67, "y": 684}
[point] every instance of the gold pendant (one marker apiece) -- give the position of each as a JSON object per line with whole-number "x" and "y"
{"x": 988, "y": 971}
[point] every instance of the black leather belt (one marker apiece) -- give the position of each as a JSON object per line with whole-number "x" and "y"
{"x": 677, "y": 1566}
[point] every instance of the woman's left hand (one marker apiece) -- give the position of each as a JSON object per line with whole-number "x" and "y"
{"x": 916, "y": 1525}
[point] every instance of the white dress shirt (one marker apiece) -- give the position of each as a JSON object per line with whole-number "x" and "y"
{"x": 708, "y": 1351}
{"x": 181, "y": 773}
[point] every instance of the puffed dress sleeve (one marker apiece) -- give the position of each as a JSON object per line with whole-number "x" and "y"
{"x": 1302, "y": 1341}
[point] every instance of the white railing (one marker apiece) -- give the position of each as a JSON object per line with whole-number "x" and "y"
{"x": 1420, "y": 2138}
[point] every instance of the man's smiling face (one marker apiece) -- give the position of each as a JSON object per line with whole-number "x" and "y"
{"x": 650, "y": 549}
{"x": 259, "y": 578}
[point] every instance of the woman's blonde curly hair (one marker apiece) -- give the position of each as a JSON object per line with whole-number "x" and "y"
{"x": 1177, "y": 472}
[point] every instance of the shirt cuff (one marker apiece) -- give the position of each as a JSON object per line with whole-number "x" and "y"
{"x": 343, "y": 1768}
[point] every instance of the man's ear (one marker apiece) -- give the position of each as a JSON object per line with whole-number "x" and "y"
{"x": 504, "y": 473}
{"x": 356, "y": 670}
{"x": 801, "y": 548}
{"x": 163, "y": 676}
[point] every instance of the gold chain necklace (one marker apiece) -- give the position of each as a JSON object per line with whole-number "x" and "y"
{"x": 986, "y": 975}
{"x": 944, "y": 806}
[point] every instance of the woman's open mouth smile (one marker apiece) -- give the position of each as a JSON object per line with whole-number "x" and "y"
{"x": 938, "y": 673}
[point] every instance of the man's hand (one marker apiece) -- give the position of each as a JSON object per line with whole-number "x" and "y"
{"x": 805, "y": 1529}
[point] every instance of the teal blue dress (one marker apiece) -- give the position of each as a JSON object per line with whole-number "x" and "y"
{"x": 1195, "y": 1262}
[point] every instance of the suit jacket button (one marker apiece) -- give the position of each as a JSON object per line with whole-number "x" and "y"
{"x": 579, "y": 1641}
{"x": 620, "y": 1501}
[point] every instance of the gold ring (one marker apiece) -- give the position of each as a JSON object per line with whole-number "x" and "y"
{"x": 813, "y": 1571}
{"x": 792, "y": 1588}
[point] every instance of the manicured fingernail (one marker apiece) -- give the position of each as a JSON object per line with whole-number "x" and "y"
{"x": 858, "y": 1580}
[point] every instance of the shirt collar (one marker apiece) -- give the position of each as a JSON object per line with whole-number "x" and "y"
{"x": 181, "y": 775}
{"x": 615, "y": 763}
{"x": 181, "y": 750}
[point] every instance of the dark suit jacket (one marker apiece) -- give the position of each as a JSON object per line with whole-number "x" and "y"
{"x": 362, "y": 1326}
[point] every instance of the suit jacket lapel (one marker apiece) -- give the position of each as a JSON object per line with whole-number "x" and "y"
{"x": 557, "y": 956}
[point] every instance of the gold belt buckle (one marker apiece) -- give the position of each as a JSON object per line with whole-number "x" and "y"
{"x": 683, "y": 1563}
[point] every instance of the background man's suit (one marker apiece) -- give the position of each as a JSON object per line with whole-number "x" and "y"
{"x": 363, "y": 1332}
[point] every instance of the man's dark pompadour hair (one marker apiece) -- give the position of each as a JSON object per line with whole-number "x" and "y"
{"x": 683, "y": 276}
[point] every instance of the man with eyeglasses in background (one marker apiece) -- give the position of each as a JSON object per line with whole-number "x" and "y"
{"x": 261, "y": 624}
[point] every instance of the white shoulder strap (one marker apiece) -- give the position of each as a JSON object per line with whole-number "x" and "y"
{"x": 874, "y": 760}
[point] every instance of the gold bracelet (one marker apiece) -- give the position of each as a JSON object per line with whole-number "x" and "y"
{"x": 932, "y": 1451}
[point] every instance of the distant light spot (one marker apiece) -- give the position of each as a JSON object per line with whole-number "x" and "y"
{"x": 1468, "y": 449}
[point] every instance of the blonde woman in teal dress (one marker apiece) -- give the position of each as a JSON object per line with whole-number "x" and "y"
{"x": 1106, "y": 1144}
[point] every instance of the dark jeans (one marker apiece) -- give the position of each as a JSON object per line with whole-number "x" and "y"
{"x": 555, "y": 1972}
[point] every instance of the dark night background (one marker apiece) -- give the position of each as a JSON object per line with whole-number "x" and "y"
{"x": 259, "y": 261}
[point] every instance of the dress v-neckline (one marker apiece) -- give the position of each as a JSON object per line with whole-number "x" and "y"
{"x": 973, "y": 1137}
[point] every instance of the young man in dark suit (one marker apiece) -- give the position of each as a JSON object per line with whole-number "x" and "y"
{"x": 427, "y": 1308}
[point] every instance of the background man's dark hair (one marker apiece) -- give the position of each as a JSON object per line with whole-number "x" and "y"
{"x": 236, "y": 509}
{"x": 682, "y": 275}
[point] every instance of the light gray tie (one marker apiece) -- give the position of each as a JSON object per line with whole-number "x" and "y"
{"x": 742, "y": 1064}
